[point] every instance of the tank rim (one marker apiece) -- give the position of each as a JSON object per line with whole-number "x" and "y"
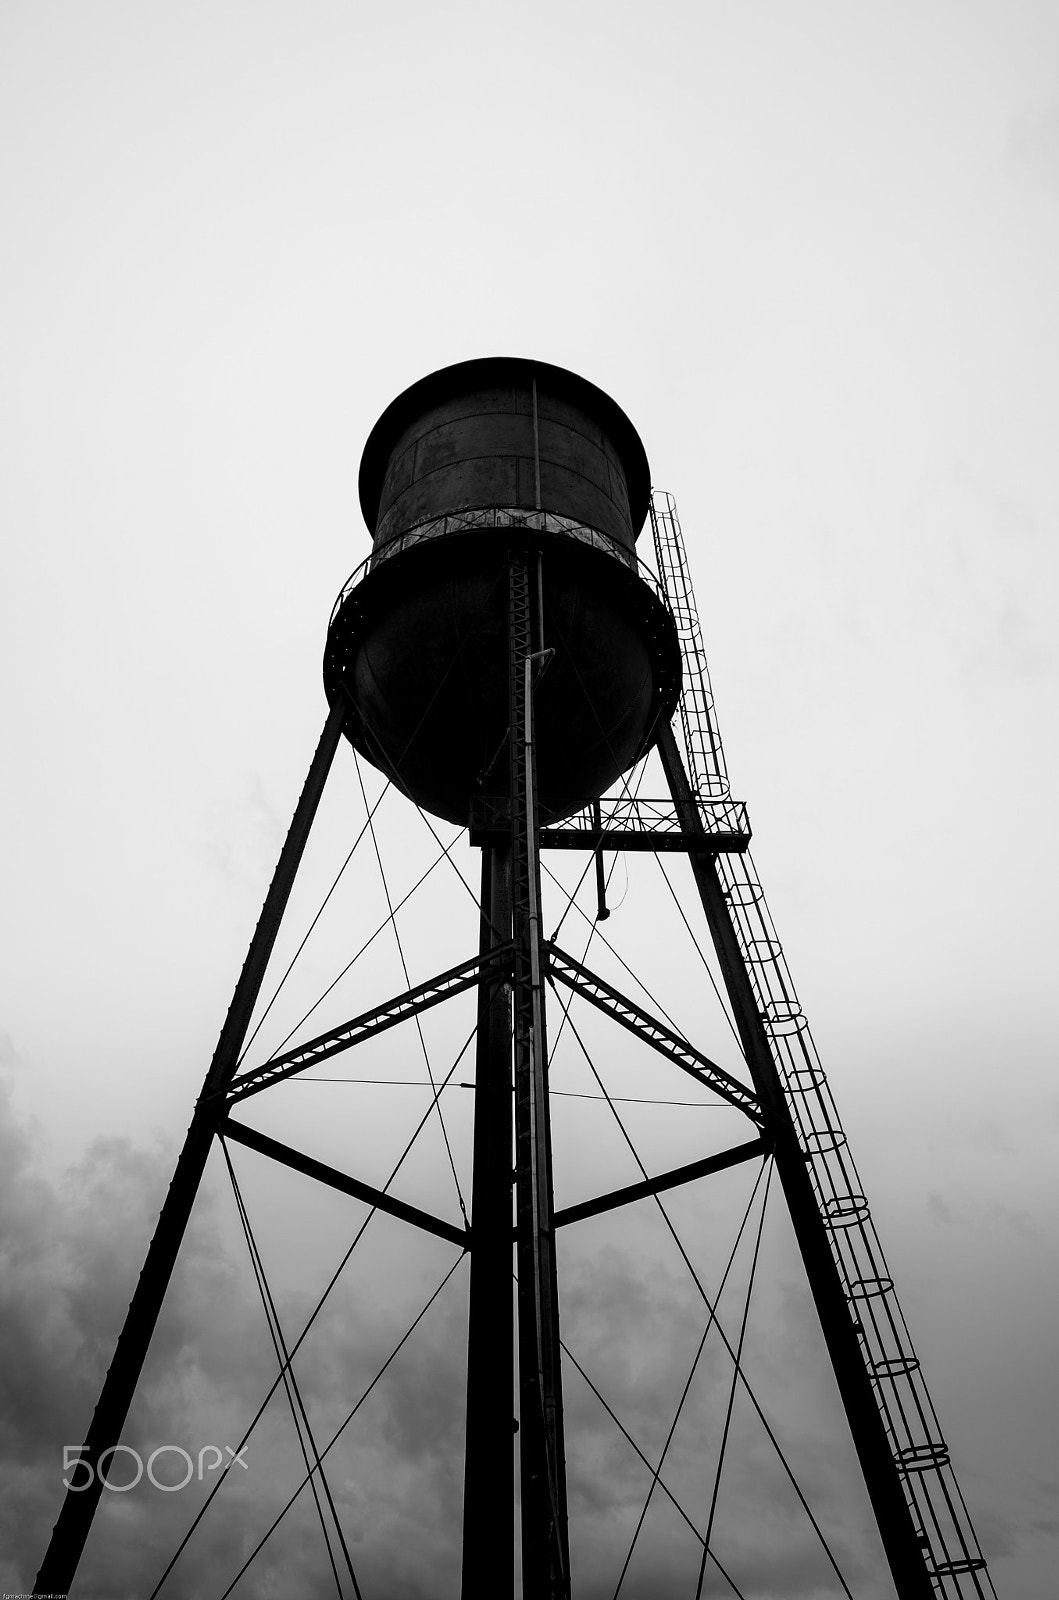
{"x": 498, "y": 369}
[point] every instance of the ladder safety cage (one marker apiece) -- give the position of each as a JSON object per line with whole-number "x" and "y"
{"x": 954, "y": 1558}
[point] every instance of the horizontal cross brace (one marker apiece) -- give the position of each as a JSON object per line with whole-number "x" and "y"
{"x": 454, "y": 981}
{"x": 666, "y": 1180}
{"x": 339, "y": 1180}
{"x": 625, "y": 824}
{"x": 655, "y": 1033}
{"x": 633, "y": 839}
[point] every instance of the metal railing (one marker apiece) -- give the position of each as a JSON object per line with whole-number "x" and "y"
{"x": 480, "y": 518}
{"x": 659, "y": 816}
{"x": 620, "y": 814}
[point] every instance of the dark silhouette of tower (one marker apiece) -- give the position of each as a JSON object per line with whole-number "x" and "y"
{"x": 503, "y": 657}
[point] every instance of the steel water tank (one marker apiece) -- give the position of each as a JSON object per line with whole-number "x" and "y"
{"x": 467, "y": 465}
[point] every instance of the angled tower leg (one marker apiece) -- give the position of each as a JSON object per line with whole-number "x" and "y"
{"x": 904, "y": 1552}
{"x": 59, "y": 1566}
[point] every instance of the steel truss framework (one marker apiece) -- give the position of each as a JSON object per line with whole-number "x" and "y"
{"x": 927, "y": 1537}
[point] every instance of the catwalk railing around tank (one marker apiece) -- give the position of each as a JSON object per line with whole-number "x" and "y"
{"x": 480, "y": 519}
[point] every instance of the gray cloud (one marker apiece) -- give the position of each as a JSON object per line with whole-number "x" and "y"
{"x": 982, "y": 1214}
{"x": 72, "y": 1251}
{"x": 71, "y": 1256}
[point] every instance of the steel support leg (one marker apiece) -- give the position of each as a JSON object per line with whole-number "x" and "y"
{"x": 905, "y": 1555}
{"x": 60, "y": 1563}
{"x": 489, "y": 1467}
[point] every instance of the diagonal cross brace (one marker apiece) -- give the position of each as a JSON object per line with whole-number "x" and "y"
{"x": 655, "y": 1033}
{"x": 455, "y": 980}
{"x": 321, "y": 1173}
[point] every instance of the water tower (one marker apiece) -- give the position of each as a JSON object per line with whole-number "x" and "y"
{"x": 504, "y": 657}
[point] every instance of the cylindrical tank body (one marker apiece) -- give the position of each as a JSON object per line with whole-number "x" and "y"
{"x": 504, "y": 433}
{"x": 467, "y": 465}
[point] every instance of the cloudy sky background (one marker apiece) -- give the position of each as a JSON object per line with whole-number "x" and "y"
{"x": 812, "y": 249}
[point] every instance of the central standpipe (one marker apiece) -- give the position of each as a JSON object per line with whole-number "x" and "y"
{"x": 489, "y": 1463}
{"x": 510, "y": 909}
{"x": 545, "y": 1543}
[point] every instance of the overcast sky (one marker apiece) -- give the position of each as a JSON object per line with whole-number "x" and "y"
{"x": 812, "y": 249}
